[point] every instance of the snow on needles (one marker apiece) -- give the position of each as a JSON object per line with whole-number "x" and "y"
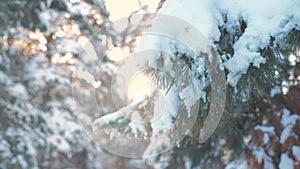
{"x": 263, "y": 18}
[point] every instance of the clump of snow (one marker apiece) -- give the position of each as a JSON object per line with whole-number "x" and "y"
{"x": 261, "y": 20}
{"x": 286, "y": 133}
{"x": 274, "y": 91}
{"x": 68, "y": 45}
{"x": 191, "y": 94}
{"x": 5, "y": 148}
{"x": 238, "y": 164}
{"x": 288, "y": 121}
{"x": 262, "y": 23}
{"x": 265, "y": 129}
{"x": 20, "y": 158}
{"x": 135, "y": 127}
{"x": 3, "y": 77}
{"x": 89, "y": 78}
{"x": 266, "y": 138}
{"x": 60, "y": 143}
{"x": 261, "y": 156}
{"x": 296, "y": 152}
{"x": 47, "y": 17}
{"x": 4, "y": 60}
{"x": 286, "y": 162}
{"x": 165, "y": 121}
{"x": 202, "y": 14}
{"x": 80, "y": 8}
{"x": 18, "y": 91}
{"x": 187, "y": 162}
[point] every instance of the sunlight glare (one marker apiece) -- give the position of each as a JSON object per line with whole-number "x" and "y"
{"x": 116, "y": 54}
{"x": 140, "y": 86}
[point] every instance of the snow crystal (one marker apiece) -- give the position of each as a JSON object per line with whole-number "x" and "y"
{"x": 286, "y": 162}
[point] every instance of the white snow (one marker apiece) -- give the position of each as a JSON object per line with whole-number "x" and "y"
{"x": 286, "y": 162}
{"x": 3, "y": 77}
{"x": 47, "y": 17}
{"x": 137, "y": 127}
{"x": 286, "y": 133}
{"x": 266, "y": 138}
{"x": 293, "y": 59}
{"x": 89, "y": 78}
{"x": 22, "y": 161}
{"x": 261, "y": 156}
{"x": 79, "y": 8}
{"x": 191, "y": 94}
{"x": 172, "y": 104}
{"x": 274, "y": 91}
{"x": 238, "y": 164}
{"x": 39, "y": 75}
{"x": 288, "y": 121}
{"x": 60, "y": 143}
{"x": 19, "y": 91}
{"x": 5, "y": 148}
{"x": 187, "y": 162}
{"x": 4, "y": 60}
{"x": 265, "y": 129}
{"x": 296, "y": 152}
{"x": 67, "y": 45}
{"x": 262, "y": 23}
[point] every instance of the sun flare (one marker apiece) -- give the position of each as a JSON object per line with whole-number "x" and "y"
{"x": 139, "y": 87}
